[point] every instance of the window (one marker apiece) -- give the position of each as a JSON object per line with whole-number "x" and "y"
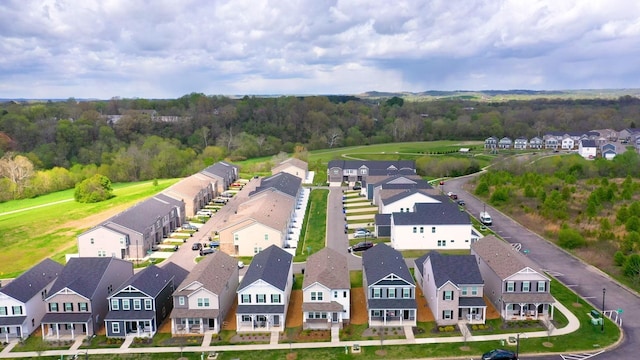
{"x": 526, "y": 286}
{"x": 148, "y": 304}
{"x": 92, "y": 242}
{"x": 235, "y": 237}
{"x": 17, "y": 310}
{"x": 246, "y": 318}
{"x": 447, "y": 295}
{"x": 391, "y": 293}
{"x": 415, "y": 229}
{"x": 125, "y": 304}
{"x": 376, "y": 313}
{"x": 83, "y": 307}
{"x": 115, "y": 327}
{"x": 203, "y": 302}
{"x": 542, "y": 286}
{"x": 181, "y": 300}
{"x": 275, "y": 298}
{"x": 421, "y": 229}
{"x": 316, "y": 296}
{"x": 335, "y": 294}
{"x": 474, "y": 290}
{"x": 246, "y": 299}
{"x": 137, "y": 304}
{"x": 261, "y": 298}
{"x": 3, "y": 310}
{"x": 266, "y": 237}
{"x": 511, "y": 286}
{"x": 433, "y": 229}
{"x": 447, "y": 314}
{"x": 406, "y": 293}
{"x": 464, "y": 291}
{"x": 344, "y": 294}
{"x": 442, "y": 243}
{"x": 102, "y": 253}
{"x": 68, "y": 307}
{"x": 377, "y": 294}
{"x": 53, "y": 307}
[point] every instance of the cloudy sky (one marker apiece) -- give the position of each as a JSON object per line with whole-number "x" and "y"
{"x": 169, "y": 48}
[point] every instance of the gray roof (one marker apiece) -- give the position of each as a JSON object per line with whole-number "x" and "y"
{"x": 459, "y": 269}
{"x": 150, "y": 281}
{"x": 383, "y": 260}
{"x": 329, "y": 268}
{"x": 282, "y": 182}
{"x": 83, "y": 274}
{"x": 222, "y": 169}
{"x": 382, "y": 219}
{"x": 30, "y": 283}
{"x": 444, "y": 213}
{"x": 473, "y": 301}
{"x": 501, "y": 257}
{"x": 588, "y": 143}
{"x": 373, "y": 164}
{"x": 401, "y": 194}
{"x": 213, "y": 272}
{"x": 140, "y": 216}
{"x": 271, "y": 265}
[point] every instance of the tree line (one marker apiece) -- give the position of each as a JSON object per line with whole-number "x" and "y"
{"x": 141, "y": 139}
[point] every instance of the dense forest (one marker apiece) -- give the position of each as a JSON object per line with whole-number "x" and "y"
{"x": 139, "y": 139}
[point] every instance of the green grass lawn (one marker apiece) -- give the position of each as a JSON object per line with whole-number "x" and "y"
{"x": 47, "y": 226}
{"x": 316, "y": 218}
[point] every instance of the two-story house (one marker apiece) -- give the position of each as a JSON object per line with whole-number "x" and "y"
{"x": 536, "y": 143}
{"x": 339, "y": 171}
{"x": 587, "y": 149}
{"x": 21, "y": 301}
{"x": 326, "y": 291}
{"x": 389, "y": 286}
{"x": 264, "y": 292}
{"x": 514, "y": 284}
{"x": 77, "y": 301}
{"x": 293, "y": 166}
{"x": 452, "y": 286}
{"x": 520, "y": 143}
{"x": 491, "y": 142}
{"x": 221, "y": 174}
{"x": 204, "y": 298}
{"x": 505, "y": 143}
{"x": 140, "y": 304}
{"x": 196, "y": 191}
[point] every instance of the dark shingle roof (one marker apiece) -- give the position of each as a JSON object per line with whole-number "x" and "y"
{"x": 406, "y": 193}
{"x": 83, "y": 274}
{"x": 213, "y": 272}
{"x": 282, "y": 182}
{"x": 459, "y": 269}
{"x": 382, "y": 260}
{"x": 150, "y": 280}
{"x": 502, "y": 257}
{"x": 27, "y": 285}
{"x": 140, "y": 216}
{"x": 222, "y": 169}
{"x": 373, "y": 164}
{"x": 382, "y": 219}
{"x": 270, "y": 265}
{"x": 444, "y": 213}
{"x": 588, "y": 143}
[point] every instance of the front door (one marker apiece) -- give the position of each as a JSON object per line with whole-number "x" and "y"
{"x": 334, "y": 317}
{"x": 407, "y": 314}
{"x": 212, "y": 323}
{"x": 276, "y": 320}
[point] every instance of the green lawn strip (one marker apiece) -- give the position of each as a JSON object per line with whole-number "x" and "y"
{"x": 34, "y": 234}
{"x": 101, "y": 341}
{"x": 316, "y": 219}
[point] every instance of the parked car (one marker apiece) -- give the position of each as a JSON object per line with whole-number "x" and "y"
{"x": 206, "y": 251}
{"x": 452, "y": 195}
{"x": 499, "y": 354}
{"x": 189, "y": 227}
{"x": 461, "y": 203}
{"x": 240, "y": 264}
{"x": 205, "y": 212}
{"x": 360, "y": 233}
{"x": 213, "y": 244}
{"x": 441, "y": 182}
{"x": 361, "y": 246}
{"x": 196, "y": 246}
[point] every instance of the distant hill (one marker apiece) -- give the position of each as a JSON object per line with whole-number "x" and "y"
{"x": 505, "y": 95}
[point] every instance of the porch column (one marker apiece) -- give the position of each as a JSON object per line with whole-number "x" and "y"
{"x": 6, "y": 334}
{"x": 552, "y": 307}
{"x": 42, "y": 330}
{"x": 522, "y": 313}
{"x": 57, "y": 331}
{"x": 73, "y": 333}
{"x": 138, "y": 328}
{"x": 201, "y": 326}
{"x": 484, "y": 315}
{"x": 536, "y": 310}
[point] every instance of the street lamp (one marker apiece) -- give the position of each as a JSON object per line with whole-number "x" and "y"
{"x": 518, "y": 345}
{"x": 602, "y": 323}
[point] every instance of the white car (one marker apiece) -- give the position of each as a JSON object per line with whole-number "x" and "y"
{"x": 362, "y": 233}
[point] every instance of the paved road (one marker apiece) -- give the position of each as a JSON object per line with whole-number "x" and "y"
{"x": 584, "y": 279}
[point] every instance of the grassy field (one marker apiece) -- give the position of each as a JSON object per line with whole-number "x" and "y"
{"x": 47, "y": 226}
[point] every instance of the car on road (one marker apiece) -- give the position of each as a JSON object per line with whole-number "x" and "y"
{"x": 360, "y": 233}
{"x": 499, "y": 354}
{"x": 461, "y": 203}
{"x": 196, "y": 246}
{"x": 452, "y": 195}
{"x": 441, "y": 182}
{"x": 361, "y": 246}
{"x": 206, "y": 251}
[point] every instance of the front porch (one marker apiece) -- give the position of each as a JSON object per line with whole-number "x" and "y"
{"x": 140, "y": 328}
{"x": 259, "y": 322}
{"x": 193, "y": 326}
{"x": 392, "y": 317}
{"x": 64, "y": 331}
{"x": 527, "y": 311}
{"x": 8, "y": 332}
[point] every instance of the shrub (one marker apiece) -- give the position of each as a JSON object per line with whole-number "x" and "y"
{"x": 570, "y": 238}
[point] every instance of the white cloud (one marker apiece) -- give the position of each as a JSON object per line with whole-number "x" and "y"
{"x": 94, "y": 48}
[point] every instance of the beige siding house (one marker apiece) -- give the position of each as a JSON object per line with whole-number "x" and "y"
{"x": 293, "y": 166}
{"x": 196, "y": 191}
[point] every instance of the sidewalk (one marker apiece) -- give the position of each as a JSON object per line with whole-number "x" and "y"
{"x": 573, "y": 325}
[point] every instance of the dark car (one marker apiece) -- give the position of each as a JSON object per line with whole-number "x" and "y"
{"x": 196, "y": 246}
{"x": 206, "y": 251}
{"x": 499, "y": 354}
{"x": 361, "y": 246}
{"x": 461, "y": 203}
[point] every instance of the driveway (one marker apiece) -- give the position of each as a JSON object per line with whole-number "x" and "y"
{"x": 583, "y": 278}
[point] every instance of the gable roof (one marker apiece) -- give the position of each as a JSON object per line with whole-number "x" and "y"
{"x": 502, "y": 257}
{"x": 273, "y": 210}
{"x": 388, "y": 196}
{"x": 213, "y": 272}
{"x": 188, "y": 187}
{"x": 382, "y": 260}
{"x": 31, "y": 282}
{"x": 373, "y": 164}
{"x": 271, "y": 265}
{"x": 327, "y": 267}
{"x": 443, "y": 213}
{"x": 459, "y": 269}
{"x": 150, "y": 280}
{"x": 221, "y": 169}
{"x": 141, "y": 215}
{"x": 291, "y": 162}
{"x": 588, "y": 143}
{"x": 282, "y": 182}
{"x": 82, "y": 274}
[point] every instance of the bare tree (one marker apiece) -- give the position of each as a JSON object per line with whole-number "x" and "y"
{"x": 17, "y": 168}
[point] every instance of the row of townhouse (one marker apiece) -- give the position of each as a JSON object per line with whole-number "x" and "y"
{"x": 351, "y": 171}
{"x": 133, "y": 233}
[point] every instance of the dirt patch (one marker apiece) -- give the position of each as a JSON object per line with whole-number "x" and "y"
{"x": 424, "y": 313}
{"x": 465, "y": 348}
{"x": 547, "y": 344}
{"x": 294, "y": 313}
{"x": 358, "y": 307}
{"x": 381, "y": 352}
